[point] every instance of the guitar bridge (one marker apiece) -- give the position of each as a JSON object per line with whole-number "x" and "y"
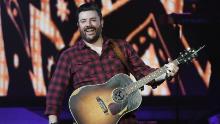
{"x": 102, "y": 104}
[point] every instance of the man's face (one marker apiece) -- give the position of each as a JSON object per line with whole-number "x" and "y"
{"x": 90, "y": 26}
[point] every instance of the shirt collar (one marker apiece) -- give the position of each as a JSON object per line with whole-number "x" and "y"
{"x": 81, "y": 44}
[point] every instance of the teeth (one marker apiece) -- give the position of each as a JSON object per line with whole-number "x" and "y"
{"x": 88, "y": 30}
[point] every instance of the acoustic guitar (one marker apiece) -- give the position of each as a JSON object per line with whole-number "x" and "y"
{"x": 107, "y": 103}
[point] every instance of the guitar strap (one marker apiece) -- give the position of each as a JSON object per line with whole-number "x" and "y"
{"x": 120, "y": 55}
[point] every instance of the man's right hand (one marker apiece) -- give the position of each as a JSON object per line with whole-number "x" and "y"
{"x": 53, "y": 119}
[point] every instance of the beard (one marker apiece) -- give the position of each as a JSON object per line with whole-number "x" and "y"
{"x": 91, "y": 38}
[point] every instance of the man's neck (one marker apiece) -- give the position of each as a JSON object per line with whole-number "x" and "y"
{"x": 96, "y": 46}
{"x": 98, "y": 43}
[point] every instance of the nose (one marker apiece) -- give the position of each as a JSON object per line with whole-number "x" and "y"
{"x": 88, "y": 23}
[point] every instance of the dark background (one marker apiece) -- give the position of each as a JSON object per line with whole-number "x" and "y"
{"x": 201, "y": 27}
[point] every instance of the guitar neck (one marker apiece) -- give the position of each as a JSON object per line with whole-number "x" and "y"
{"x": 147, "y": 79}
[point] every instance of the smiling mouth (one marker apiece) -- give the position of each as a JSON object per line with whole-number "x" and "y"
{"x": 90, "y": 31}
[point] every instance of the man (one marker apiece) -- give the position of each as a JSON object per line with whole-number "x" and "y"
{"x": 92, "y": 61}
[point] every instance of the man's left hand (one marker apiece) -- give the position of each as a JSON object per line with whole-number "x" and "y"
{"x": 172, "y": 69}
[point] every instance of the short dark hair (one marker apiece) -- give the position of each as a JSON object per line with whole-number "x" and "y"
{"x": 88, "y": 7}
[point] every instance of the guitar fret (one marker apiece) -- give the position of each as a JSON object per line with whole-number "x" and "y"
{"x": 136, "y": 85}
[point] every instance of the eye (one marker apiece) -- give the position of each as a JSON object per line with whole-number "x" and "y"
{"x": 93, "y": 19}
{"x": 82, "y": 21}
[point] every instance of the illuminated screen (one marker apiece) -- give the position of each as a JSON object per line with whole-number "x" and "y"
{"x": 33, "y": 33}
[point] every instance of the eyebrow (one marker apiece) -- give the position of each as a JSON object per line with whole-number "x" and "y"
{"x": 89, "y": 18}
{"x": 93, "y": 18}
{"x": 82, "y": 19}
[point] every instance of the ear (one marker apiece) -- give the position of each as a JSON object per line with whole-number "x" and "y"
{"x": 102, "y": 22}
{"x": 78, "y": 25}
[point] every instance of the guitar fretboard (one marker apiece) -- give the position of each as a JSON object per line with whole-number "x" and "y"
{"x": 147, "y": 79}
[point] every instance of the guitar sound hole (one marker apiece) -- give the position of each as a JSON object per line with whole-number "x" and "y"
{"x": 119, "y": 95}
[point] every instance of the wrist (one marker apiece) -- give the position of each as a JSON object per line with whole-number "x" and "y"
{"x": 161, "y": 78}
{"x": 53, "y": 119}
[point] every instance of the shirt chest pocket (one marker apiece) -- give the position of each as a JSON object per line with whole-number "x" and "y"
{"x": 83, "y": 68}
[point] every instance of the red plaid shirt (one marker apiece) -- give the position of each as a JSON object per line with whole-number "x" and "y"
{"x": 84, "y": 66}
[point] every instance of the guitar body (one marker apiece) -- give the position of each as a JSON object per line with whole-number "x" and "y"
{"x": 107, "y": 103}
{"x": 95, "y": 104}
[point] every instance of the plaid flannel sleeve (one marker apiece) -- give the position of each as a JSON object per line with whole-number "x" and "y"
{"x": 57, "y": 85}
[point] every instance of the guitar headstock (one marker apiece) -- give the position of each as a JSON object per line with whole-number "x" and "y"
{"x": 188, "y": 55}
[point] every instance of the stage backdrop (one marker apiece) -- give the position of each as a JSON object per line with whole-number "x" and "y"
{"x": 34, "y": 32}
